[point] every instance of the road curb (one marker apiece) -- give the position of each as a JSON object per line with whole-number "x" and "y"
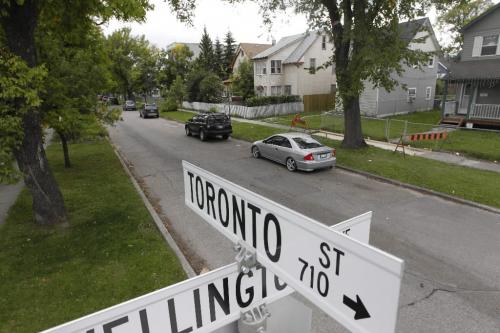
{"x": 422, "y": 190}
{"x": 159, "y": 223}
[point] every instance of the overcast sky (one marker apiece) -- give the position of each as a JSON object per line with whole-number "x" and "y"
{"x": 244, "y": 21}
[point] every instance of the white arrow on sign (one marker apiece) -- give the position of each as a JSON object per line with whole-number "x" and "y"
{"x": 356, "y": 284}
{"x": 188, "y": 303}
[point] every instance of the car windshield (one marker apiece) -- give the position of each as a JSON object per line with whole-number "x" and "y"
{"x": 129, "y": 102}
{"x": 307, "y": 143}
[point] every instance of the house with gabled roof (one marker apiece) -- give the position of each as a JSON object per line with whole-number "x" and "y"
{"x": 477, "y": 74}
{"x": 291, "y": 67}
{"x": 246, "y": 51}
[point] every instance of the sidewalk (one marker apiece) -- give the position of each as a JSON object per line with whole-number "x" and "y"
{"x": 433, "y": 155}
{"x": 8, "y": 195}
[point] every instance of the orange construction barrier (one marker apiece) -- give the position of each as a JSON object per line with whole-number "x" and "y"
{"x": 429, "y": 136}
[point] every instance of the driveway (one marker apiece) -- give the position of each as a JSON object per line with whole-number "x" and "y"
{"x": 451, "y": 252}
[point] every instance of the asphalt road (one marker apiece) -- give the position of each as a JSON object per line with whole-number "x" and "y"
{"x": 451, "y": 251}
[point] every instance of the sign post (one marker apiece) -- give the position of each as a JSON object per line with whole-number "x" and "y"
{"x": 356, "y": 284}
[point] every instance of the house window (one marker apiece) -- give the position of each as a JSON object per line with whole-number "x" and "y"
{"x": 428, "y": 93}
{"x": 275, "y": 90}
{"x": 312, "y": 65}
{"x": 412, "y": 94}
{"x": 287, "y": 90}
{"x": 260, "y": 68}
{"x": 489, "y": 45}
{"x": 323, "y": 42}
{"x": 275, "y": 66}
{"x": 431, "y": 62}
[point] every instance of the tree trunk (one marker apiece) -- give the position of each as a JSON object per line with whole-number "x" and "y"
{"x": 64, "y": 142}
{"x": 353, "y": 135}
{"x": 48, "y": 204}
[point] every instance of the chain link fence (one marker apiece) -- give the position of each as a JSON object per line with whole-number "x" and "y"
{"x": 381, "y": 129}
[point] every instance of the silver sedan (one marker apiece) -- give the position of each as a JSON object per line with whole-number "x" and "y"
{"x": 297, "y": 151}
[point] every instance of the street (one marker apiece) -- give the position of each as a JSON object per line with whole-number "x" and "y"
{"x": 451, "y": 251}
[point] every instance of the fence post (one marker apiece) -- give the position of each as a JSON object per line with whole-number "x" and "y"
{"x": 387, "y": 126}
{"x": 405, "y": 128}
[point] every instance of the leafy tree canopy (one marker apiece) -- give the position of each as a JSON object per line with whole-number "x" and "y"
{"x": 453, "y": 15}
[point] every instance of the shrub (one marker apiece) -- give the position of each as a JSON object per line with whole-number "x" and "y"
{"x": 211, "y": 88}
{"x": 267, "y": 100}
{"x": 168, "y": 104}
{"x": 213, "y": 109}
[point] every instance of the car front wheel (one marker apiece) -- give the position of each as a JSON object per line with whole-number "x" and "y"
{"x": 188, "y": 131}
{"x": 291, "y": 165}
{"x": 255, "y": 152}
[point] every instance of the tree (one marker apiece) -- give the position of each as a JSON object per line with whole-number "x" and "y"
{"x": 206, "y": 58}
{"x": 177, "y": 91}
{"x": 229, "y": 53}
{"x": 453, "y": 15}
{"x": 368, "y": 47}
{"x": 193, "y": 80}
{"x": 242, "y": 81}
{"x": 173, "y": 63}
{"x": 78, "y": 71}
{"x": 19, "y": 21}
{"x": 219, "y": 63}
{"x": 211, "y": 88}
{"x": 134, "y": 63}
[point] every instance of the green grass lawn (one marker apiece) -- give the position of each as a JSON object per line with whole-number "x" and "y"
{"x": 467, "y": 183}
{"x": 373, "y": 128}
{"x": 181, "y": 116}
{"x": 476, "y": 144}
{"x": 110, "y": 252}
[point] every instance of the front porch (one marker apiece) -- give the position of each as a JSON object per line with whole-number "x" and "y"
{"x": 476, "y": 103}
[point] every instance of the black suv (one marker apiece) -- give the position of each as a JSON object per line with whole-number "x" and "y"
{"x": 209, "y": 124}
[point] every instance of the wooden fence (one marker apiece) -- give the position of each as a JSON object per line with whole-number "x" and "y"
{"x": 321, "y": 102}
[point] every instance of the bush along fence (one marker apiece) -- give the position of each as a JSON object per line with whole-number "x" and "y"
{"x": 248, "y": 112}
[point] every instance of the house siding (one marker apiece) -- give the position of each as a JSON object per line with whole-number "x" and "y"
{"x": 268, "y": 80}
{"x": 368, "y": 101}
{"x": 488, "y": 25}
{"x": 396, "y": 101}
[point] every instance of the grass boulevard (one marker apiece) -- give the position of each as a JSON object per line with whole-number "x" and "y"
{"x": 109, "y": 252}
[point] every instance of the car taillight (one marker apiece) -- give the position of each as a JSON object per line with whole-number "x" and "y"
{"x": 309, "y": 157}
{"x": 334, "y": 152}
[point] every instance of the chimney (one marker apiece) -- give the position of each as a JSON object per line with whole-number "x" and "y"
{"x": 273, "y": 42}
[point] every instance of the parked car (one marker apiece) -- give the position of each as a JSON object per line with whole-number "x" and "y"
{"x": 113, "y": 100}
{"x": 209, "y": 125}
{"x": 149, "y": 110}
{"x": 297, "y": 151}
{"x": 129, "y": 106}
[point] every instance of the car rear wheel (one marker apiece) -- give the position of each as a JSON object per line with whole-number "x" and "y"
{"x": 291, "y": 165}
{"x": 225, "y": 136}
{"x": 188, "y": 131}
{"x": 255, "y": 152}
{"x": 203, "y": 135}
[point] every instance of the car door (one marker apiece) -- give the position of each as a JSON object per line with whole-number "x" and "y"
{"x": 193, "y": 124}
{"x": 274, "y": 148}
{"x": 267, "y": 147}
{"x": 284, "y": 150}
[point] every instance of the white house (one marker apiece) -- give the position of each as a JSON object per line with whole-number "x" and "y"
{"x": 288, "y": 67}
